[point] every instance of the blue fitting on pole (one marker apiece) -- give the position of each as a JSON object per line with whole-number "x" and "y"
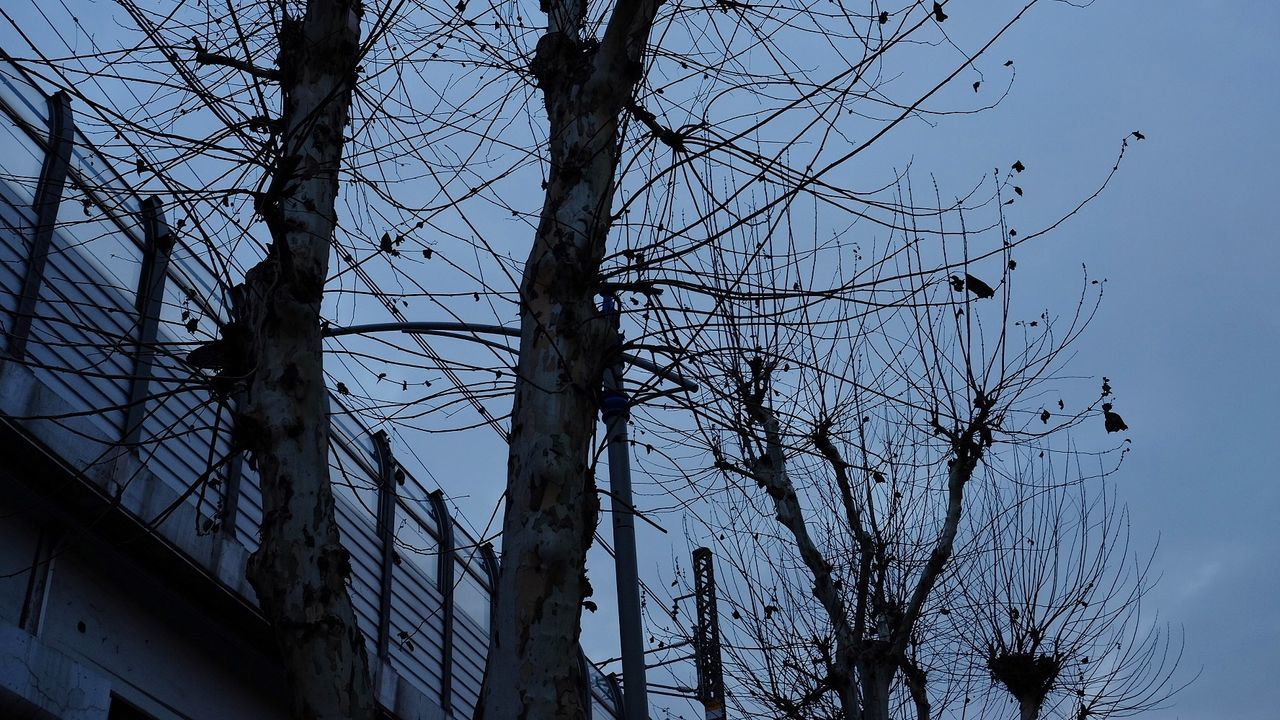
{"x": 613, "y": 403}
{"x": 610, "y": 307}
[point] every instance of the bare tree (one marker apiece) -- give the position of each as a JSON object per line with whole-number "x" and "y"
{"x": 599, "y": 72}
{"x": 849, "y": 441}
{"x": 284, "y": 421}
{"x": 551, "y": 504}
{"x": 1051, "y": 604}
{"x": 274, "y": 347}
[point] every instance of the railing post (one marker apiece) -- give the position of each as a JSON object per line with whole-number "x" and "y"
{"x": 615, "y": 692}
{"x": 490, "y": 560}
{"x": 585, "y": 667}
{"x": 148, "y": 302}
{"x": 53, "y": 176}
{"x": 447, "y": 564}
{"x": 235, "y": 469}
{"x": 387, "y": 478}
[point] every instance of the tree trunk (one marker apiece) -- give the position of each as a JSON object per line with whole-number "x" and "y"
{"x": 877, "y": 680}
{"x": 300, "y": 570}
{"x": 770, "y": 473}
{"x": 551, "y": 503}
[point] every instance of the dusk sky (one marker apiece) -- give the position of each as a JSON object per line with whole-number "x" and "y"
{"x": 1189, "y": 326}
{"x": 1188, "y": 332}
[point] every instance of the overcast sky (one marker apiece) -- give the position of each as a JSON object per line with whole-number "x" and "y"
{"x": 1188, "y": 329}
{"x": 1189, "y": 326}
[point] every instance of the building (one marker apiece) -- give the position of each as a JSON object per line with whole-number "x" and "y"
{"x": 126, "y": 523}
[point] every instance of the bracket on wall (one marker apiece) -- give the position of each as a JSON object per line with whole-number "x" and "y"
{"x": 446, "y": 574}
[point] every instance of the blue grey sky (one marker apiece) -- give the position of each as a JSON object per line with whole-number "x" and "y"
{"x": 1189, "y": 322}
{"x": 1189, "y": 325}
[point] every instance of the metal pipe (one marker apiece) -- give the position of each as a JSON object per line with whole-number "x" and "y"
{"x": 453, "y": 330}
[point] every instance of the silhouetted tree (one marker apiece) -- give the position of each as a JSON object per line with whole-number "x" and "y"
{"x": 1051, "y": 603}
{"x": 852, "y": 443}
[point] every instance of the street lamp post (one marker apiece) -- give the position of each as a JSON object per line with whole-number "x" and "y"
{"x": 616, "y": 411}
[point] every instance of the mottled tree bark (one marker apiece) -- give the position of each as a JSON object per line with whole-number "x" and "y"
{"x": 300, "y": 570}
{"x": 551, "y": 502}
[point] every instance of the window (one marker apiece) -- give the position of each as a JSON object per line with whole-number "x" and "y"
{"x": 415, "y": 545}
